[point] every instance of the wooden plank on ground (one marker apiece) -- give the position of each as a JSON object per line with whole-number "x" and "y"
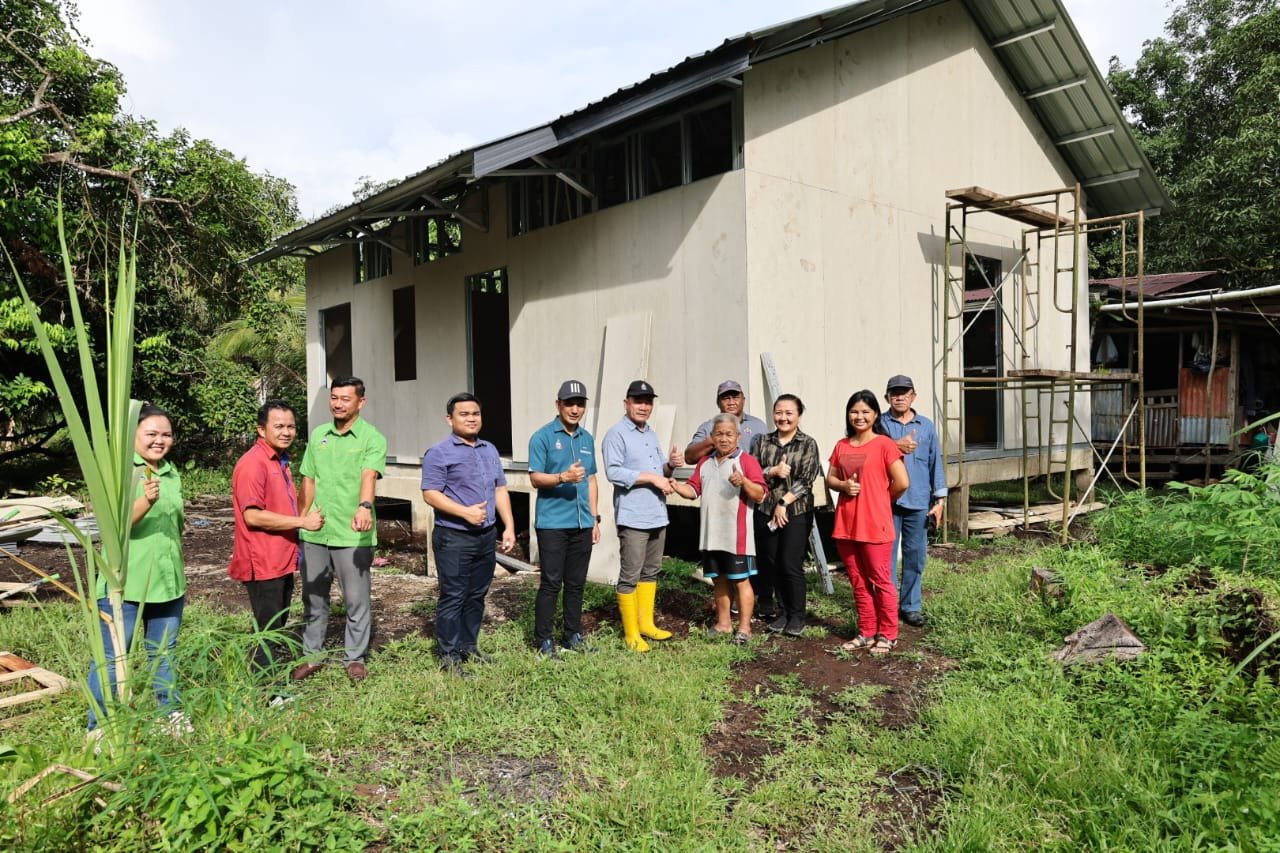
{"x": 16, "y": 669}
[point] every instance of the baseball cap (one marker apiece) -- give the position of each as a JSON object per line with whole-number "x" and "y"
{"x": 899, "y": 381}
{"x": 640, "y": 388}
{"x": 571, "y": 388}
{"x": 728, "y": 386}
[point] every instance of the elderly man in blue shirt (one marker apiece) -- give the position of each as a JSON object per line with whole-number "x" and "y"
{"x": 641, "y": 478}
{"x": 463, "y": 481}
{"x": 918, "y": 440}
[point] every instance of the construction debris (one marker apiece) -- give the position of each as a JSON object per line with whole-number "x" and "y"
{"x": 1107, "y": 638}
{"x": 992, "y": 521}
{"x": 1046, "y": 585}
{"x": 16, "y": 672}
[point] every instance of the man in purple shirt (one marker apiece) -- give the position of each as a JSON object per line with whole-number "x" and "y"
{"x": 462, "y": 480}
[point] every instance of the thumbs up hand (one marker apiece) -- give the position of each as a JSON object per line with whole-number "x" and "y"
{"x": 675, "y": 459}
{"x": 575, "y": 473}
{"x": 908, "y": 444}
{"x": 851, "y": 485}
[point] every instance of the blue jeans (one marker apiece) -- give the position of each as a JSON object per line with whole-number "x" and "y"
{"x": 464, "y": 570}
{"x": 160, "y": 621}
{"x": 912, "y": 535}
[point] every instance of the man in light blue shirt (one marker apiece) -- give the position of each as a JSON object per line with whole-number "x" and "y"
{"x": 923, "y": 499}
{"x": 562, "y": 467}
{"x": 641, "y": 479}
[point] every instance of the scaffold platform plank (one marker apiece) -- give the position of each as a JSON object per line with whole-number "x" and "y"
{"x": 985, "y": 199}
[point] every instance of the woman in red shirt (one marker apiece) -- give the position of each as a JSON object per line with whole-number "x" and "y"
{"x": 866, "y": 470}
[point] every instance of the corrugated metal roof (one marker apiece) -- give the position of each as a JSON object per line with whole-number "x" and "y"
{"x": 1050, "y": 65}
{"x": 1116, "y": 174}
{"x": 1154, "y": 285}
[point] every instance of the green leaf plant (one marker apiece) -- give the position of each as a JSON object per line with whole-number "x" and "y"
{"x": 101, "y": 427}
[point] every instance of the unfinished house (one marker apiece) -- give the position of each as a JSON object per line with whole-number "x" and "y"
{"x": 784, "y": 193}
{"x": 1209, "y": 360}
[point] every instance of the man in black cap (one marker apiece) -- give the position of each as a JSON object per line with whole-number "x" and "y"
{"x": 641, "y": 478}
{"x": 923, "y": 499}
{"x": 562, "y": 467}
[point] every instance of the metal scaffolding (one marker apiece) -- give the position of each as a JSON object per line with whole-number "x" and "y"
{"x": 1044, "y": 284}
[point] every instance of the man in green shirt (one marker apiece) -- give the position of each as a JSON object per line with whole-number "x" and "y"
{"x": 342, "y": 463}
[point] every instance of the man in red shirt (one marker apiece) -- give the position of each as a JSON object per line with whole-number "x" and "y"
{"x": 264, "y": 555}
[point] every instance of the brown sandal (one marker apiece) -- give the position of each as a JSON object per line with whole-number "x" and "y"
{"x": 882, "y": 646}
{"x": 858, "y": 643}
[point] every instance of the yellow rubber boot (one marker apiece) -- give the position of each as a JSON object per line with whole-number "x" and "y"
{"x": 630, "y": 627}
{"x": 646, "y": 594}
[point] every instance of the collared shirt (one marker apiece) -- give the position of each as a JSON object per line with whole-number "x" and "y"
{"x": 155, "y": 571}
{"x": 749, "y": 426}
{"x": 336, "y": 461}
{"x": 553, "y": 449}
{"x": 466, "y": 473}
{"x": 801, "y": 453}
{"x": 262, "y": 480}
{"x": 924, "y": 464}
{"x": 628, "y": 452}
{"x": 724, "y": 511}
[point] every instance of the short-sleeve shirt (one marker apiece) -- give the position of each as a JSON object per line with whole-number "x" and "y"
{"x": 155, "y": 572}
{"x": 727, "y": 523}
{"x": 466, "y": 473}
{"x": 628, "y": 452}
{"x": 869, "y": 516}
{"x": 262, "y": 480}
{"x": 336, "y": 461}
{"x": 553, "y": 449}
{"x": 749, "y": 426}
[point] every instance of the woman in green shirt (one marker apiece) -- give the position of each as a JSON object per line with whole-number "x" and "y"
{"x": 155, "y": 584}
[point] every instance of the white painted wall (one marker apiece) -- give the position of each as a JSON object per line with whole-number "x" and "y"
{"x": 850, "y": 148}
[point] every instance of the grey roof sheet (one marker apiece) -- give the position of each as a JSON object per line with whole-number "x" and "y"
{"x": 1116, "y": 174}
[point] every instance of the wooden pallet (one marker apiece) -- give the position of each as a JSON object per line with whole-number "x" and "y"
{"x": 15, "y": 669}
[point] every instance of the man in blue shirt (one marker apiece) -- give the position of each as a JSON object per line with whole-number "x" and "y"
{"x": 923, "y": 499}
{"x": 562, "y": 467}
{"x": 463, "y": 481}
{"x": 641, "y": 478}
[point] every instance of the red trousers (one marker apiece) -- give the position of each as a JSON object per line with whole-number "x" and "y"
{"x": 870, "y": 568}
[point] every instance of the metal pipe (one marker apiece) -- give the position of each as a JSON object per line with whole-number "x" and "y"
{"x": 1207, "y": 299}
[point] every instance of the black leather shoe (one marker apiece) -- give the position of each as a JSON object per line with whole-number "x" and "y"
{"x": 915, "y": 619}
{"x": 777, "y": 626}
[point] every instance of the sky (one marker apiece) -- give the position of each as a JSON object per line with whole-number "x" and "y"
{"x": 323, "y": 93}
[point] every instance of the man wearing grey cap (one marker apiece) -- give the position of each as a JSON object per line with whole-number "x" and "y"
{"x": 922, "y": 501}
{"x": 641, "y": 479}
{"x": 562, "y": 467}
{"x": 730, "y": 400}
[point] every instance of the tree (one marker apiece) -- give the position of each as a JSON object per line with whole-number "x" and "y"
{"x": 1205, "y": 102}
{"x": 196, "y": 211}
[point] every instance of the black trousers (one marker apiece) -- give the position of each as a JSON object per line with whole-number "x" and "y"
{"x": 464, "y": 570}
{"x": 270, "y": 600}
{"x": 780, "y": 558}
{"x": 565, "y": 555}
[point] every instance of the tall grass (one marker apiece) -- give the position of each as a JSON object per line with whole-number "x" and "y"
{"x": 101, "y": 428}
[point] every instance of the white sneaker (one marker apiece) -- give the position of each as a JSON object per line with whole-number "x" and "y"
{"x": 280, "y": 701}
{"x": 177, "y": 725}
{"x": 94, "y": 736}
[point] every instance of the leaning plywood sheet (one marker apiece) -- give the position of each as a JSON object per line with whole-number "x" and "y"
{"x": 23, "y": 518}
{"x": 625, "y": 358}
{"x": 22, "y": 681}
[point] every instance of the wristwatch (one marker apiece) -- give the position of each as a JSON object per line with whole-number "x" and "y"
{"x": 597, "y": 519}
{"x": 366, "y": 505}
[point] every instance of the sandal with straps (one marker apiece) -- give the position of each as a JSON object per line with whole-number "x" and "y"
{"x": 858, "y": 643}
{"x": 882, "y": 646}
